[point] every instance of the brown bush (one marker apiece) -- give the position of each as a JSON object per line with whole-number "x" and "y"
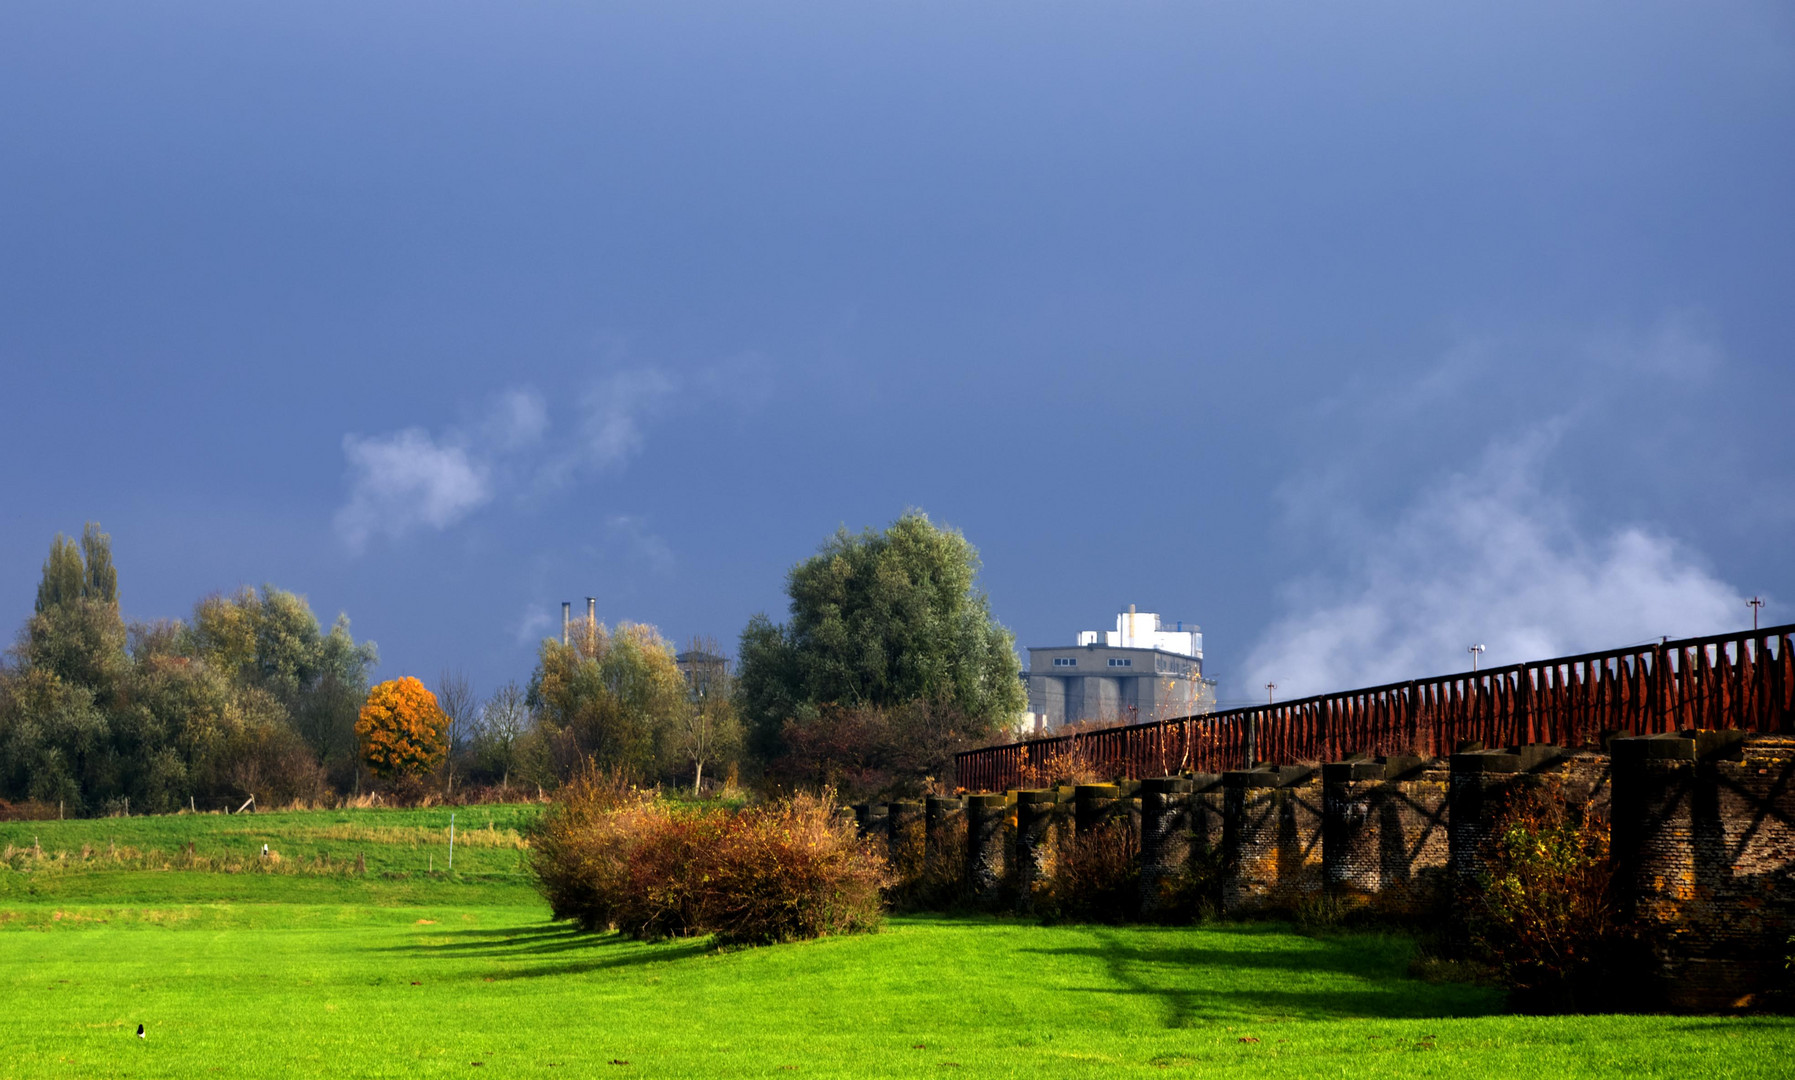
{"x": 29, "y": 810}
{"x": 1065, "y": 767}
{"x": 580, "y": 845}
{"x": 608, "y": 856}
{"x": 1096, "y": 877}
{"x": 877, "y": 752}
{"x": 927, "y": 876}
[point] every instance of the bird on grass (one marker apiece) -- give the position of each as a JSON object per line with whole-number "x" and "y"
{"x": 140, "y": 1033}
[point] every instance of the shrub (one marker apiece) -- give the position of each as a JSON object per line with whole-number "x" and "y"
{"x": 1194, "y": 893}
{"x": 871, "y": 751}
{"x": 29, "y": 810}
{"x": 1096, "y": 876}
{"x": 608, "y": 856}
{"x": 402, "y": 730}
{"x": 579, "y": 847}
{"x": 927, "y": 872}
{"x": 788, "y": 871}
{"x": 1544, "y": 914}
{"x": 1064, "y": 767}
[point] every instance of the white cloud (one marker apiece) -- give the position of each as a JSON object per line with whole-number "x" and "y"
{"x": 409, "y": 478}
{"x": 642, "y": 544}
{"x": 519, "y": 419}
{"x": 404, "y": 480}
{"x": 1490, "y": 557}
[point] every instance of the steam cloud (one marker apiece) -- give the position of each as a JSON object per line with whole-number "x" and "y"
{"x": 1490, "y": 558}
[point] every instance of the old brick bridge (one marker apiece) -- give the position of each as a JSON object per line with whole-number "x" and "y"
{"x": 1386, "y": 797}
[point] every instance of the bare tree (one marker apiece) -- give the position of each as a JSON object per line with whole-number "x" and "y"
{"x": 455, "y": 697}
{"x": 710, "y": 730}
{"x": 503, "y": 720}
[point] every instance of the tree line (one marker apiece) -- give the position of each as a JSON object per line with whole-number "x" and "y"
{"x": 888, "y": 663}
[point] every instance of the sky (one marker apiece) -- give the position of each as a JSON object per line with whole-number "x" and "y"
{"x": 1356, "y": 334}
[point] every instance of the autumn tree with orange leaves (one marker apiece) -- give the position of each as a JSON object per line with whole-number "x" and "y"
{"x": 403, "y": 731}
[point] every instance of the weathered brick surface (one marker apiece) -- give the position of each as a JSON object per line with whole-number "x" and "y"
{"x": 1037, "y": 824}
{"x": 940, "y": 814}
{"x": 1384, "y": 833}
{"x": 1098, "y": 805}
{"x": 1165, "y": 836}
{"x": 1704, "y": 845}
{"x": 987, "y": 847}
{"x": 1206, "y": 805}
{"x": 906, "y": 829}
{"x": 1271, "y": 838}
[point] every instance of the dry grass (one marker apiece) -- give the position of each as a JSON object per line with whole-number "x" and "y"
{"x": 487, "y": 837}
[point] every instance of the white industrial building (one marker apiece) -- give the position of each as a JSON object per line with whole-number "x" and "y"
{"x": 1142, "y": 670}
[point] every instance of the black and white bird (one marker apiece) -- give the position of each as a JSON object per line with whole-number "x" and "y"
{"x": 140, "y": 1033}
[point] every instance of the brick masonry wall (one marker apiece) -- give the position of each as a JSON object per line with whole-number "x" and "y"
{"x": 1206, "y": 812}
{"x": 1165, "y": 837}
{"x": 1271, "y": 839}
{"x": 1703, "y": 838}
{"x": 1704, "y": 845}
{"x": 907, "y": 831}
{"x": 1385, "y": 834}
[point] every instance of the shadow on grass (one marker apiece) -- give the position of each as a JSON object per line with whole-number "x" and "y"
{"x": 1368, "y": 976}
{"x": 527, "y": 946}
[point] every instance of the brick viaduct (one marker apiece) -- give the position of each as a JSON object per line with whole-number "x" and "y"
{"x": 1383, "y": 798}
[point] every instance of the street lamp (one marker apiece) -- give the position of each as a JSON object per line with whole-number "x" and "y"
{"x": 1475, "y": 650}
{"x": 1756, "y": 602}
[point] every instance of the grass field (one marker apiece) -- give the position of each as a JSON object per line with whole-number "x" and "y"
{"x": 240, "y": 966}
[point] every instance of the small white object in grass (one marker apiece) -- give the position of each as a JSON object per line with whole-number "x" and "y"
{"x": 140, "y": 1033}
{"x": 264, "y": 851}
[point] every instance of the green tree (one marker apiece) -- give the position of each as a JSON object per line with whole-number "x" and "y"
{"x": 58, "y": 736}
{"x": 97, "y": 715}
{"x": 614, "y": 697}
{"x": 270, "y": 639}
{"x": 881, "y": 620}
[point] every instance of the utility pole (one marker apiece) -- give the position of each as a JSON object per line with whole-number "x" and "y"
{"x": 1756, "y": 602}
{"x": 1475, "y": 651}
{"x": 1251, "y": 749}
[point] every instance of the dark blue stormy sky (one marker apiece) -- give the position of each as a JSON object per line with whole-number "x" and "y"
{"x": 1354, "y": 333}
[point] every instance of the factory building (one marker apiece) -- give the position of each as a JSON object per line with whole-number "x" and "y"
{"x": 1142, "y": 670}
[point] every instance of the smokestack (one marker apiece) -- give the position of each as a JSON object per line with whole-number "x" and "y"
{"x": 566, "y": 619}
{"x": 592, "y": 615}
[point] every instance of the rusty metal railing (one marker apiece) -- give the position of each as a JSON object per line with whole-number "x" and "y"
{"x": 1743, "y": 680}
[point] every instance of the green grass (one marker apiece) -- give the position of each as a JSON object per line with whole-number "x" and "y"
{"x": 308, "y": 971}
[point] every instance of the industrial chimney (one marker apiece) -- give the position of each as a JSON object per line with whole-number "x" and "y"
{"x": 592, "y": 617}
{"x": 566, "y": 619}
